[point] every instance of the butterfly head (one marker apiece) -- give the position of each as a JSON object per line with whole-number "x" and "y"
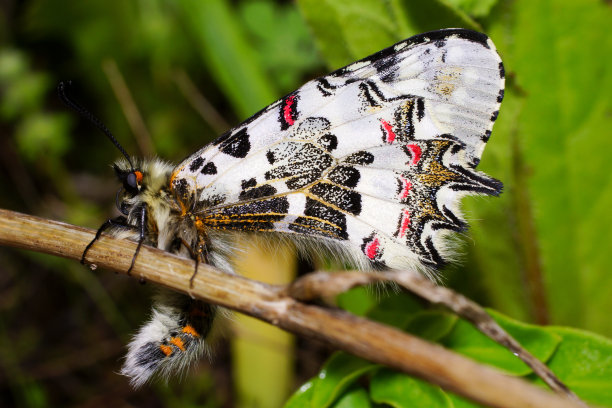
{"x": 131, "y": 179}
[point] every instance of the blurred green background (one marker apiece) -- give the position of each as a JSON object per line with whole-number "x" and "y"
{"x": 169, "y": 76}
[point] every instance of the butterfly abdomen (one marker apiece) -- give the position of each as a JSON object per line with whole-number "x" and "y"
{"x": 176, "y": 336}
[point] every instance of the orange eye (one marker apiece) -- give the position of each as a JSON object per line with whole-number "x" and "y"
{"x": 138, "y": 176}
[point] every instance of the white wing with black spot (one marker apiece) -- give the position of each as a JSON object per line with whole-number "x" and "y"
{"x": 374, "y": 156}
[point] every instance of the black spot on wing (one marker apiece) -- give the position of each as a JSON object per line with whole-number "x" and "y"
{"x": 221, "y": 139}
{"x": 213, "y": 200}
{"x": 325, "y": 87}
{"x": 345, "y": 175}
{"x": 494, "y": 116}
{"x": 209, "y": 168}
{"x": 477, "y": 182}
{"x": 387, "y": 68}
{"x": 502, "y": 70}
{"x": 311, "y": 128}
{"x": 309, "y": 158}
{"x": 297, "y": 182}
{"x": 361, "y": 158}
{"x": 346, "y": 200}
{"x": 458, "y": 225}
{"x": 248, "y": 183}
{"x": 329, "y": 142}
{"x": 485, "y": 138}
{"x": 320, "y": 219}
{"x": 196, "y": 164}
{"x": 265, "y": 190}
{"x": 276, "y": 205}
{"x": 420, "y": 108}
{"x": 500, "y": 97}
{"x": 270, "y": 156}
{"x": 433, "y": 257}
{"x": 366, "y": 95}
{"x": 237, "y": 145}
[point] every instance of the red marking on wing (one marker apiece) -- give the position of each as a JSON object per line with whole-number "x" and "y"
{"x": 388, "y": 129}
{"x": 371, "y": 248}
{"x": 406, "y": 189}
{"x": 287, "y": 110}
{"x": 404, "y": 224}
{"x": 415, "y": 150}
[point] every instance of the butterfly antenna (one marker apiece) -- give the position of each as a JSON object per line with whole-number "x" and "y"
{"x": 61, "y": 90}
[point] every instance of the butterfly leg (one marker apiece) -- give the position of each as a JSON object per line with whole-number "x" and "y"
{"x": 141, "y": 237}
{"x": 119, "y": 222}
{"x": 193, "y": 253}
{"x": 201, "y": 256}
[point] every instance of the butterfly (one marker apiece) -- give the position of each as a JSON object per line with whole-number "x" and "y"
{"x": 369, "y": 162}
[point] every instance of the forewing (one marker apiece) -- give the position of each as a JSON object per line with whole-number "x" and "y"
{"x": 375, "y": 155}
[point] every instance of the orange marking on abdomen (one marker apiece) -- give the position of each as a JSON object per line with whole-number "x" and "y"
{"x": 190, "y": 330}
{"x": 167, "y": 350}
{"x": 178, "y": 343}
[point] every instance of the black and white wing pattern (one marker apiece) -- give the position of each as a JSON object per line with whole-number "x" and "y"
{"x": 373, "y": 158}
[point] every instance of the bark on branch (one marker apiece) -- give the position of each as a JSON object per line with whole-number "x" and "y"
{"x": 361, "y": 337}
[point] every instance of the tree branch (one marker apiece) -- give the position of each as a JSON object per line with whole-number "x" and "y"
{"x": 361, "y": 337}
{"x": 327, "y": 285}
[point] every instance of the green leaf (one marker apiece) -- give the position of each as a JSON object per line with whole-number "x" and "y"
{"x": 43, "y": 135}
{"x": 355, "y": 398}
{"x": 338, "y": 373}
{"x": 395, "y": 310}
{"x": 13, "y": 64}
{"x": 348, "y": 30}
{"x": 414, "y": 16}
{"x": 357, "y": 300}
{"x": 583, "y": 361}
{"x": 475, "y": 8}
{"x": 459, "y": 402}
{"x": 467, "y": 340}
{"x": 401, "y": 391}
{"x": 561, "y": 184}
{"x": 495, "y": 270}
{"x": 282, "y": 39}
{"x": 302, "y": 397}
{"x": 431, "y": 325}
{"x": 228, "y": 55}
{"x": 22, "y": 94}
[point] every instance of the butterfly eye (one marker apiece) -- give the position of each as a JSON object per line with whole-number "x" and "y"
{"x": 132, "y": 180}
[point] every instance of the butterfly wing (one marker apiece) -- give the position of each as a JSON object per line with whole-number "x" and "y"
{"x": 373, "y": 157}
